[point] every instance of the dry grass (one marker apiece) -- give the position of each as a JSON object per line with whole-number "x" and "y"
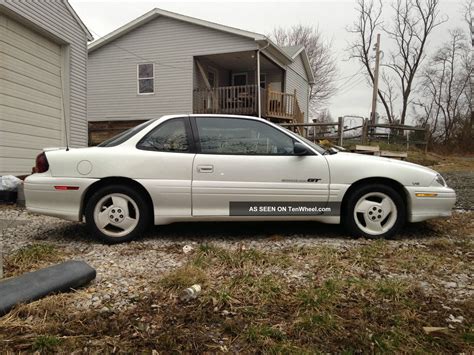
{"x": 452, "y": 163}
{"x": 32, "y": 257}
{"x": 364, "y": 297}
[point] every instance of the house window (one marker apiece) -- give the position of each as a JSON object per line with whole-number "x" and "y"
{"x": 146, "y": 78}
{"x": 263, "y": 80}
{"x": 239, "y": 79}
{"x": 212, "y": 77}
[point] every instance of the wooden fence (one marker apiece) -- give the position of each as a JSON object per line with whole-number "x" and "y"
{"x": 336, "y": 131}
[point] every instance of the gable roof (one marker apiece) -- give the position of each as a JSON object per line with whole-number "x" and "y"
{"x": 293, "y": 51}
{"x": 285, "y": 56}
{"x": 78, "y": 20}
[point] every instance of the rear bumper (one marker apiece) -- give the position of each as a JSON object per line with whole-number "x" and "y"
{"x": 42, "y": 197}
{"x": 423, "y": 208}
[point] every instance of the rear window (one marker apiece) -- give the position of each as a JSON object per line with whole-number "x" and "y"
{"x": 125, "y": 136}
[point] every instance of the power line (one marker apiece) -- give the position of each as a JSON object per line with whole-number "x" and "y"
{"x": 347, "y": 82}
{"x": 352, "y": 86}
{"x": 349, "y": 76}
{"x": 139, "y": 56}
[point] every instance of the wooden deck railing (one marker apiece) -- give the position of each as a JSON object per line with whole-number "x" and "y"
{"x": 283, "y": 106}
{"x": 226, "y": 99}
{"x": 243, "y": 100}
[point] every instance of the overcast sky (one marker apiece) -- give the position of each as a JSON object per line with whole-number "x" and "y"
{"x": 332, "y": 17}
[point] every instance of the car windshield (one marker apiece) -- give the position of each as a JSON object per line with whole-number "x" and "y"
{"x": 124, "y": 136}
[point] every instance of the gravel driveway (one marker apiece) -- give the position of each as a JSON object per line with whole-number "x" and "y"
{"x": 434, "y": 259}
{"x": 463, "y": 183}
{"x": 124, "y": 270}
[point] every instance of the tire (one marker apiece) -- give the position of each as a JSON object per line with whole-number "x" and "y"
{"x": 381, "y": 212}
{"x": 117, "y": 214}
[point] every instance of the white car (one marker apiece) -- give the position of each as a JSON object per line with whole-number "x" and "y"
{"x": 229, "y": 168}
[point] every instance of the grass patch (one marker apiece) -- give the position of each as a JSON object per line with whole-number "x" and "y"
{"x": 251, "y": 303}
{"x": 184, "y": 277}
{"x": 209, "y": 255}
{"x": 32, "y": 257}
{"x": 46, "y": 343}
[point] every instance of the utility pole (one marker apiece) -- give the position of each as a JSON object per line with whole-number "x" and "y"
{"x": 376, "y": 80}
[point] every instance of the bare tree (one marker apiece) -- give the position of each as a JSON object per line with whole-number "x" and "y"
{"x": 369, "y": 21}
{"x": 468, "y": 13}
{"x": 446, "y": 92}
{"x": 414, "y": 21}
{"x": 321, "y": 58}
{"x": 467, "y": 9}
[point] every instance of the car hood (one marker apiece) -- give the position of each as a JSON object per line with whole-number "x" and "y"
{"x": 375, "y": 159}
{"x": 350, "y": 167}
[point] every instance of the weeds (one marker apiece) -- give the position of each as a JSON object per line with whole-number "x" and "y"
{"x": 46, "y": 343}
{"x": 363, "y": 298}
{"x": 31, "y": 257}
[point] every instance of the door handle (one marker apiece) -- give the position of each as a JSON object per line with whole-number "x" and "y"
{"x": 205, "y": 168}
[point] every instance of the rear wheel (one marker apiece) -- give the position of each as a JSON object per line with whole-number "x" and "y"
{"x": 117, "y": 214}
{"x": 374, "y": 211}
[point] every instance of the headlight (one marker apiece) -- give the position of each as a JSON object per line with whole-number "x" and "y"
{"x": 439, "y": 180}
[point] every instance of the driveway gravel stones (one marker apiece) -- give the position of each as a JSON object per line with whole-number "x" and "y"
{"x": 463, "y": 183}
{"x": 126, "y": 271}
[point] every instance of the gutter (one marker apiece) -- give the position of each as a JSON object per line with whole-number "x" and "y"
{"x": 259, "y": 94}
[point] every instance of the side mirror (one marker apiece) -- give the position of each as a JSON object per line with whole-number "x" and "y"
{"x": 299, "y": 149}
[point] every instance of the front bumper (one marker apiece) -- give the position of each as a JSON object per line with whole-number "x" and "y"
{"x": 42, "y": 197}
{"x": 423, "y": 208}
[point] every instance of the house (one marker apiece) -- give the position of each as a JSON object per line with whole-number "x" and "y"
{"x": 43, "y": 59}
{"x": 165, "y": 63}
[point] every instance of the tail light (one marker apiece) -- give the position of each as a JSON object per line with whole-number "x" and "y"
{"x": 42, "y": 164}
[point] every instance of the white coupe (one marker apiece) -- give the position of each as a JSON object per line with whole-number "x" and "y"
{"x": 228, "y": 168}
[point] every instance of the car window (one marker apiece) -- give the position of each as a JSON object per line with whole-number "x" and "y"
{"x": 124, "y": 136}
{"x": 170, "y": 136}
{"x": 241, "y": 136}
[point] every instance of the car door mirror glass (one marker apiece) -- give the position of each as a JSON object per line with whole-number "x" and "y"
{"x": 300, "y": 149}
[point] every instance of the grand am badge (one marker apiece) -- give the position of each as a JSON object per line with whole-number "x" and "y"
{"x": 313, "y": 180}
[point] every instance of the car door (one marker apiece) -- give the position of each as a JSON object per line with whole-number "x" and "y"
{"x": 243, "y": 165}
{"x": 165, "y": 157}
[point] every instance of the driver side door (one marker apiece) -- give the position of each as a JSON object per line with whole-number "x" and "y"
{"x": 244, "y": 162}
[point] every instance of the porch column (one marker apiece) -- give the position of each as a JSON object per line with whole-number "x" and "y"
{"x": 259, "y": 95}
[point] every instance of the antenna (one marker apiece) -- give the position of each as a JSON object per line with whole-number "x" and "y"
{"x": 64, "y": 109}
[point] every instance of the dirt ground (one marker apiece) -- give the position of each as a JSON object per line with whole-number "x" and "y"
{"x": 273, "y": 288}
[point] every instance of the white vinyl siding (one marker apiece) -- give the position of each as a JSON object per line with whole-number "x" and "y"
{"x": 296, "y": 78}
{"x": 168, "y": 43}
{"x": 30, "y": 96}
{"x": 55, "y": 20}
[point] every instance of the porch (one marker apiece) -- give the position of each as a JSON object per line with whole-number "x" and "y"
{"x": 243, "y": 83}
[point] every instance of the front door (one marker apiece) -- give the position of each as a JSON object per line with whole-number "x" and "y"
{"x": 243, "y": 162}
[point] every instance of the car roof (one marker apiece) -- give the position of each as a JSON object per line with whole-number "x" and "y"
{"x": 216, "y": 115}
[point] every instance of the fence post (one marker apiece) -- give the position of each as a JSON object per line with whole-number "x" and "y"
{"x": 365, "y": 129}
{"x": 427, "y": 137}
{"x": 340, "y": 131}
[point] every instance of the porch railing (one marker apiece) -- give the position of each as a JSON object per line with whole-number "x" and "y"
{"x": 243, "y": 100}
{"x": 226, "y": 99}
{"x": 283, "y": 106}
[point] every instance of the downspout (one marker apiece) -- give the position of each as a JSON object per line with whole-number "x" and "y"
{"x": 259, "y": 94}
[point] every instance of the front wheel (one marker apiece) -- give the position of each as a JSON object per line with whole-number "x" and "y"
{"x": 117, "y": 214}
{"x": 374, "y": 211}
